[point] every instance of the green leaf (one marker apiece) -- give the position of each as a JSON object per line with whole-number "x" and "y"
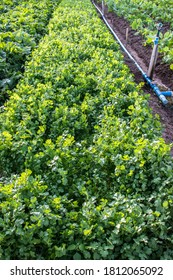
{"x": 165, "y": 204}
{"x": 71, "y": 247}
{"x": 77, "y": 256}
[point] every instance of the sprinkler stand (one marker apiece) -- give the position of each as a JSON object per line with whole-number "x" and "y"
{"x": 154, "y": 54}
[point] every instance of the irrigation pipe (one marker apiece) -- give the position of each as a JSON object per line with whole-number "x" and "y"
{"x": 154, "y": 87}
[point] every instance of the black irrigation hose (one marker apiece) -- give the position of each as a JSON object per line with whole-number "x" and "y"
{"x": 161, "y": 95}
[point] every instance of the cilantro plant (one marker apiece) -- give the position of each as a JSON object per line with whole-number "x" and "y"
{"x": 22, "y": 25}
{"x": 84, "y": 171}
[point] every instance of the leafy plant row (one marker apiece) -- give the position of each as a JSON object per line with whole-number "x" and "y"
{"x": 84, "y": 172}
{"x": 22, "y": 24}
{"x": 6, "y": 5}
{"x": 144, "y": 16}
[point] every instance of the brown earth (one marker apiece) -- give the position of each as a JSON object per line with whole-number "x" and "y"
{"x": 162, "y": 76}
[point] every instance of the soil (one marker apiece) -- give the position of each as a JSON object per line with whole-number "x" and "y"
{"x": 163, "y": 76}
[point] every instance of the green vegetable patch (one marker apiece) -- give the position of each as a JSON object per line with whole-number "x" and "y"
{"x": 22, "y": 25}
{"x": 84, "y": 171}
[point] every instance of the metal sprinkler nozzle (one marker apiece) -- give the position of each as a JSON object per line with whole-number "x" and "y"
{"x": 159, "y": 28}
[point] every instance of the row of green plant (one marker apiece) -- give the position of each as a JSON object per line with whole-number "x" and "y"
{"x": 84, "y": 172}
{"x": 6, "y": 5}
{"x": 22, "y": 26}
{"x": 144, "y": 17}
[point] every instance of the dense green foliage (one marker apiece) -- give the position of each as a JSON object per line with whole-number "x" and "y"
{"x": 84, "y": 172}
{"x": 7, "y": 5}
{"x": 22, "y": 24}
{"x": 144, "y": 16}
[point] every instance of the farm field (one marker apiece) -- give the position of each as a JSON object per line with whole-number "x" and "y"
{"x": 84, "y": 170}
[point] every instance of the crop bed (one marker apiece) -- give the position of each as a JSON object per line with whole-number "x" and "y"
{"x": 84, "y": 171}
{"x": 22, "y": 25}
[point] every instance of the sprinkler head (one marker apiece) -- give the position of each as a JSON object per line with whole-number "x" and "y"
{"x": 159, "y": 26}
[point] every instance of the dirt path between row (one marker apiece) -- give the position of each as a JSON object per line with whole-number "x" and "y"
{"x": 162, "y": 76}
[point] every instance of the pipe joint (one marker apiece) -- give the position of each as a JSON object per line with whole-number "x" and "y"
{"x": 167, "y": 93}
{"x": 161, "y": 95}
{"x": 156, "y": 41}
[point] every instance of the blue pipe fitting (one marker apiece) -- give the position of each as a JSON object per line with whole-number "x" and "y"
{"x": 167, "y": 93}
{"x": 161, "y": 95}
{"x": 156, "y": 41}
